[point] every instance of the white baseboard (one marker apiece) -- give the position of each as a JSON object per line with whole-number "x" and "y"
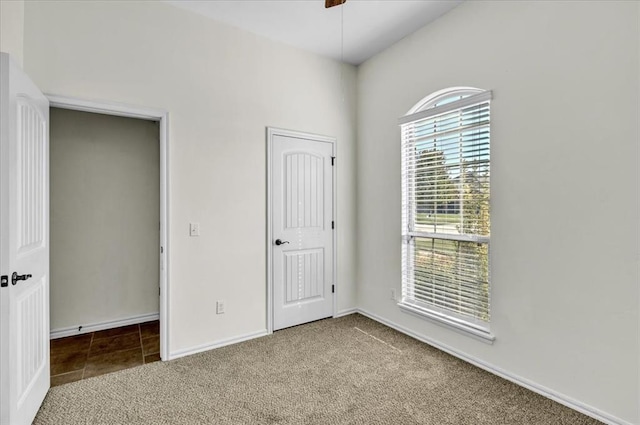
{"x": 83, "y": 329}
{"x": 217, "y": 344}
{"x": 536, "y": 388}
{"x": 539, "y": 389}
{"x": 345, "y": 312}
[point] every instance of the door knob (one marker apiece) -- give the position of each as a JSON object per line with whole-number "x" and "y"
{"x": 15, "y": 277}
{"x": 279, "y": 242}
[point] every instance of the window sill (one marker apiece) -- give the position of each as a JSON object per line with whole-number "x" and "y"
{"x": 479, "y": 334}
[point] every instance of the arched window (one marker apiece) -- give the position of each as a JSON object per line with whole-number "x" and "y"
{"x": 445, "y": 209}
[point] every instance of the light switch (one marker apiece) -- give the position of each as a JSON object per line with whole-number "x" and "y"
{"x": 194, "y": 229}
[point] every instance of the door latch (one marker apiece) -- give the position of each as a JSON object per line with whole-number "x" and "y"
{"x": 15, "y": 277}
{"x": 4, "y": 281}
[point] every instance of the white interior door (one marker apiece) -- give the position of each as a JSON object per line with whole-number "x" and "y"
{"x": 301, "y": 228}
{"x": 24, "y": 245}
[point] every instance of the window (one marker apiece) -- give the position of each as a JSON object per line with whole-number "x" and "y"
{"x": 445, "y": 209}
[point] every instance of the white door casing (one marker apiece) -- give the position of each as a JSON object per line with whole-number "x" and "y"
{"x": 301, "y": 216}
{"x": 153, "y": 114}
{"x": 24, "y": 245}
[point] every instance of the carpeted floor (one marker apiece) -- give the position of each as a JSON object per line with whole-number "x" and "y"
{"x": 349, "y": 370}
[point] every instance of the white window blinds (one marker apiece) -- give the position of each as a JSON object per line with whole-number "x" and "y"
{"x": 445, "y": 210}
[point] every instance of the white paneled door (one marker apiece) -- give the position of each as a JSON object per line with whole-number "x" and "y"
{"x": 24, "y": 245}
{"x": 301, "y": 228}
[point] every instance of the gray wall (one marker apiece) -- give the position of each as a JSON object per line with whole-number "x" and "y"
{"x": 564, "y": 188}
{"x": 105, "y": 212}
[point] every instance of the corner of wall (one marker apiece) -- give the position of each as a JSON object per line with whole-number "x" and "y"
{"x": 356, "y": 207}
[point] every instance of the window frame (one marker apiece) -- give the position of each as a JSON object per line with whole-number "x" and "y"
{"x": 431, "y": 106}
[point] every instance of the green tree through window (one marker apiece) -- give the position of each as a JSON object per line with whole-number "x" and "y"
{"x": 446, "y": 208}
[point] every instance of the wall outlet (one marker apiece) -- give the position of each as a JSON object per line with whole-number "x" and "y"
{"x": 219, "y": 307}
{"x": 194, "y": 229}
{"x": 393, "y": 294}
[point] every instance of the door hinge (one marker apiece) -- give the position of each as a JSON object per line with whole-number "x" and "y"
{"x": 333, "y": 159}
{"x": 4, "y": 281}
{"x": 333, "y": 224}
{"x": 333, "y": 289}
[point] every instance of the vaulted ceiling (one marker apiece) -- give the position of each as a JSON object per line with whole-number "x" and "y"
{"x": 353, "y": 32}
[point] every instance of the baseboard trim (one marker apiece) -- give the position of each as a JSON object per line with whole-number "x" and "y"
{"x": 83, "y": 329}
{"x": 518, "y": 380}
{"x": 345, "y": 312}
{"x": 217, "y": 344}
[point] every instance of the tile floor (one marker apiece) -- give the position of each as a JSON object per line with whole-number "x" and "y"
{"x": 92, "y": 354}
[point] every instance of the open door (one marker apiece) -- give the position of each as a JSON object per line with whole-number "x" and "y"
{"x": 24, "y": 245}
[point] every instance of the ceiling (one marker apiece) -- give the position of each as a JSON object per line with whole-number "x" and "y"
{"x": 370, "y": 26}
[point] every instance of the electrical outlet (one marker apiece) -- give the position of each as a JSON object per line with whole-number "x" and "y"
{"x": 393, "y": 294}
{"x": 194, "y": 229}
{"x": 220, "y": 307}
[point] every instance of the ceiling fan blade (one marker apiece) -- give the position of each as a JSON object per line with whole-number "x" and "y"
{"x": 331, "y": 3}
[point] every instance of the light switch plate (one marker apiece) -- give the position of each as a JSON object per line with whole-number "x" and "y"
{"x": 194, "y": 229}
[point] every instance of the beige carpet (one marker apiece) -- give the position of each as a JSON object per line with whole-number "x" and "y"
{"x": 349, "y": 370}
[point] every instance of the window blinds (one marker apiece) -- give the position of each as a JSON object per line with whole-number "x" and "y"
{"x": 445, "y": 192}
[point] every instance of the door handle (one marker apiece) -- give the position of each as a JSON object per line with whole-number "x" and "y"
{"x": 15, "y": 277}
{"x": 279, "y": 242}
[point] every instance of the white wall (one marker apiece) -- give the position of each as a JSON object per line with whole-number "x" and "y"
{"x": 12, "y": 28}
{"x": 222, "y": 87}
{"x": 564, "y": 243}
{"x": 105, "y": 212}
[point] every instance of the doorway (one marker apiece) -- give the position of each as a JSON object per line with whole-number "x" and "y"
{"x": 147, "y": 324}
{"x": 24, "y": 247}
{"x": 301, "y": 228}
{"x": 104, "y": 238}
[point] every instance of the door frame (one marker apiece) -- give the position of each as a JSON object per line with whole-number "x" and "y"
{"x": 271, "y": 132}
{"x": 162, "y": 117}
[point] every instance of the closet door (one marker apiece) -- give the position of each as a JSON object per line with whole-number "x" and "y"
{"x": 24, "y": 245}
